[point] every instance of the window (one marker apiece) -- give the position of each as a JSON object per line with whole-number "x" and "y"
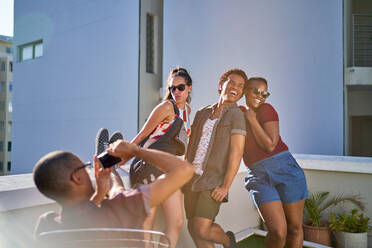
{"x": 9, "y": 146}
{"x": 10, "y": 107}
{"x": 9, "y": 165}
{"x": 38, "y": 50}
{"x": 31, "y": 50}
{"x": 27, "y": 52}
{"x": 1, "y": 126}
{"x": 2, "y": 108}
{"x": 2, "y": 86}
{"x": 2, "y": 68}
{"x": 11, "y": 66}
{"x": 10, "y": 126}
{"x": 150, "y": 44}
{"x": 9, "y": 50}
{"x": 1, "y": 165}
{"x": 1, "y": 146}
{"x": 10, "y": 86}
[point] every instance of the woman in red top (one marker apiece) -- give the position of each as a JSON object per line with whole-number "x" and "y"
{"x": 275, "y": 180}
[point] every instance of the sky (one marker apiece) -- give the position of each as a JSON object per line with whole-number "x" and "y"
{"x": 6, "y": 17}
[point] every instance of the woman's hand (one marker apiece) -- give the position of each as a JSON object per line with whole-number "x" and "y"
{"x": 266, "y": 136}
{"x": 248, "y": 113}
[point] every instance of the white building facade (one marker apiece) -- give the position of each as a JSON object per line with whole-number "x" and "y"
{"x": 6, "y": 88}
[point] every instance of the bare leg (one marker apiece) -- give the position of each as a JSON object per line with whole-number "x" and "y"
{"x": 148, "y": 224}
{"x": 294, "y": 213}
{"x": 173, "y": 213}
{"x": 273, "y": 215}
{"x": 209, "y": 232}
{"x": 200, "y": 243}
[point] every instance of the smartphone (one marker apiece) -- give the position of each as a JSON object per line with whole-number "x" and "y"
{"x": 108, "y": 160}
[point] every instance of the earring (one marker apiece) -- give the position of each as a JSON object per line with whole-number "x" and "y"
{"x": 188, "y": 99}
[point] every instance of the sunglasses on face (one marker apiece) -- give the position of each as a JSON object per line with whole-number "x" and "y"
{"x": 87, "y": 164}
{"x": 180, "y": 87}
{"x": 258, "y": 92}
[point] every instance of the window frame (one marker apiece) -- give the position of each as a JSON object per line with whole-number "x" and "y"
{"x": 33, "y": 44}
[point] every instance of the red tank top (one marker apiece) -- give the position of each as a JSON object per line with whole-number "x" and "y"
{"x": 252, "y": 151}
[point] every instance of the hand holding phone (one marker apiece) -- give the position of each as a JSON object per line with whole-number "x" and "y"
{"x": 108, "y": 160}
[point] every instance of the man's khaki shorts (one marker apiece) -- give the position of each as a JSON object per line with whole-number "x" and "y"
{"x": 200, "y": 204}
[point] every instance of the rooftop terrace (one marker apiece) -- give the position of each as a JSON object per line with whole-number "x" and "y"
{"x": 21, "y": 203}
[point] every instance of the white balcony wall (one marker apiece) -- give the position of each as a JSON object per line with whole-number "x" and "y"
{"x": 295, "y": 44}
{"x": 21, "y": 204}
{"x": 87, "y": 77}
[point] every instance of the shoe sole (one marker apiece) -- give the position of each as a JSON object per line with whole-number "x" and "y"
{"x": 232, "y": 239}
{"x": 116, "y": 136}
{"x": 102, "y": 139}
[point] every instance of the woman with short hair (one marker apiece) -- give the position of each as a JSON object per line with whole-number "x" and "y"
{"x": 275, "y": 180}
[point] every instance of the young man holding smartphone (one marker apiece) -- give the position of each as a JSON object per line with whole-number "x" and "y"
{"x": 62, "y": 177}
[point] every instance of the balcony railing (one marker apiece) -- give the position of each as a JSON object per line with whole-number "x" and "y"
{"x": 362, "y": 40}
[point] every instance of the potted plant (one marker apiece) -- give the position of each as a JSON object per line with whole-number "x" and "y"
{"x": 350, "y": 229}
{"x": 315, "y": 228}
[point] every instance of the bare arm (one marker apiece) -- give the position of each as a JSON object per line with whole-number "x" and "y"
{"x": 267, "y": 137}
{"x": 177, "y": 172}
{"x": 117, "y": 183}
{"x": 102, "y": 176}
{"x": 237, "y": 142}
{"x": 162, "y": 112}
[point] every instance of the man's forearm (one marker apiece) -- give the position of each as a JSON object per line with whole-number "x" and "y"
{"x": 117, "y": 184}
{"x": 116, "y": 179}
{"x": 232, "y": 170}
{"x": 177, "y": 173}
{"x": 235, "y": 156}
{"x": 97, "y": 198}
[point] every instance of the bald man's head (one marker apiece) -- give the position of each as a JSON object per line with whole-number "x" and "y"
{"x": 52, "y": 174}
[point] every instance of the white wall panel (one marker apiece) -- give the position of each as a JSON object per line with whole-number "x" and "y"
{"x": 87, "y": 77}
{"x": 295, "y": 44}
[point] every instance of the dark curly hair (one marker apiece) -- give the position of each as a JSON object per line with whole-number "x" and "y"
{"x": 261, "y": 79}
{"x": 226, "y": 74}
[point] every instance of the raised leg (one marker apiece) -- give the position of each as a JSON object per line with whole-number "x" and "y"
{"x": 200, "y": 243}
{"x": 209, "y": 233}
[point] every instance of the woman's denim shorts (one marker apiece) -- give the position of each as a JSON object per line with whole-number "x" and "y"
{"x": 278, "y": 178}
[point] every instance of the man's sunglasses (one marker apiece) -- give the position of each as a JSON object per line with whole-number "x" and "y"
{"x": 180, "y": 87}
{"x": 258, "y": 92}
{"x": 87, "y": 164}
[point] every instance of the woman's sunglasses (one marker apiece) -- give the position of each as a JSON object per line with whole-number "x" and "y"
{"x": 258, "y": 92}
{"x": 180, "y": 87}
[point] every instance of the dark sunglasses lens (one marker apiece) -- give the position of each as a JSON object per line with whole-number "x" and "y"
{"x": 181, "y": 87}
{"x": 256, "y": 91}
{"x": 265, "y": 94}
